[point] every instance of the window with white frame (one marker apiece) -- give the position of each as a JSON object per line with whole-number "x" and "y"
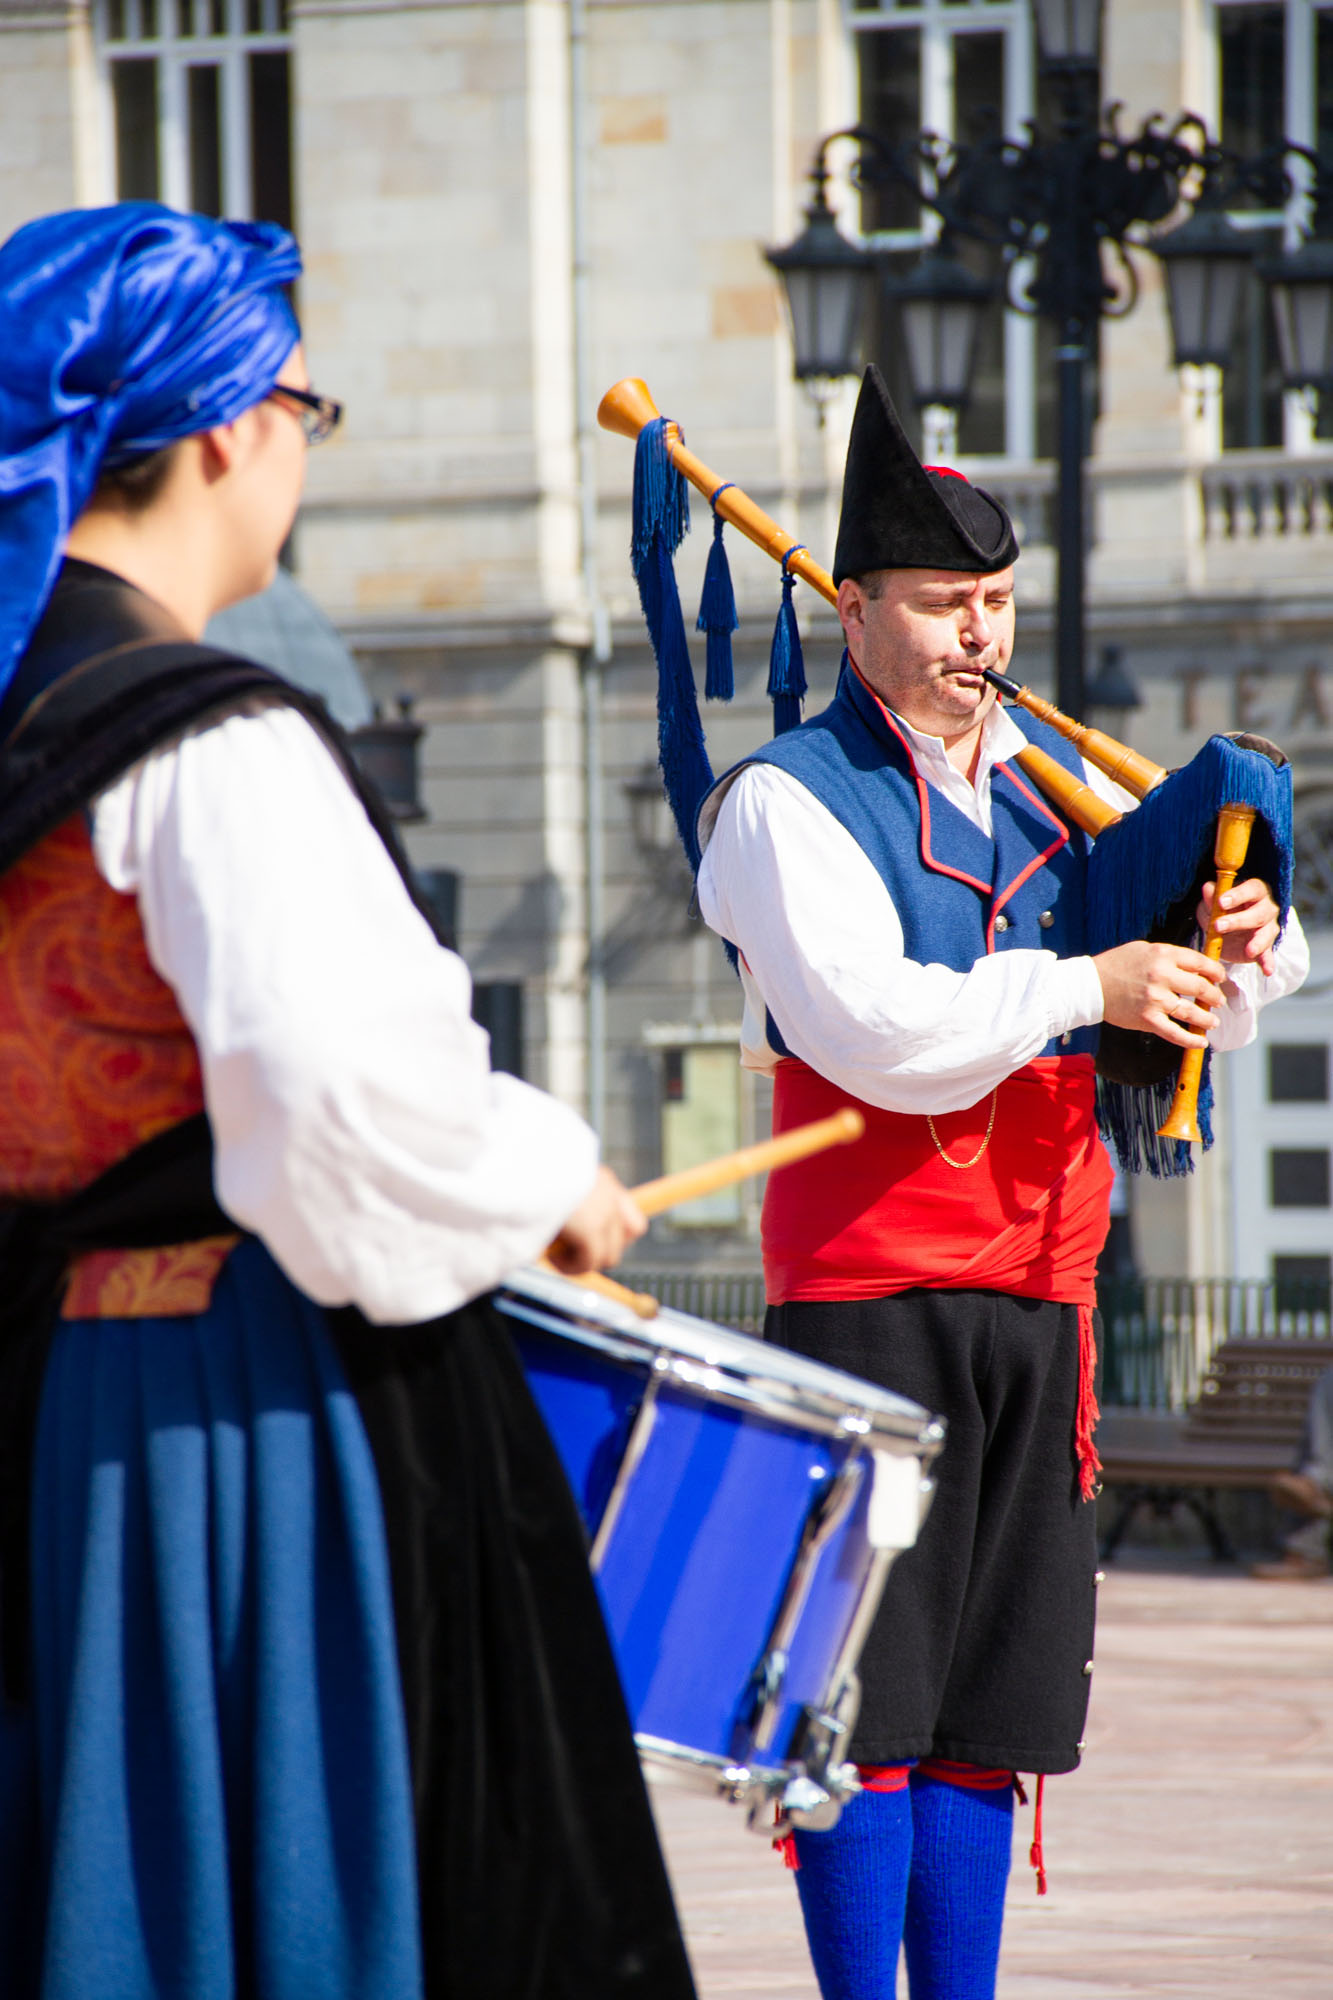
{"x": 200, "y": 104}
{"x": 962, "y": 69}
{"x": 1274, "y": 79}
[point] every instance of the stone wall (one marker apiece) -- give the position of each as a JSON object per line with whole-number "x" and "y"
{"x": 50, "y": 123}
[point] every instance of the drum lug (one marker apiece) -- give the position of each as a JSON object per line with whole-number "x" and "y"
{"x": 827, "y": 1512}
{"x": 816, "y": 1793}
{"x": 767, "y": 1682}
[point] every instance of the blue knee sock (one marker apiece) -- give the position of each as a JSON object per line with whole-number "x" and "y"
{"x": 852, "y": 1883}
{"x": 961, "y": 1839}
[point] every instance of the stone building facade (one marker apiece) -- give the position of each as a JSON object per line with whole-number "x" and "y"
{"x": 507, "y": 205}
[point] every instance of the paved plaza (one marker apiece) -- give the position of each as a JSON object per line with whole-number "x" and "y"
{"x": 1193, "y": 1853}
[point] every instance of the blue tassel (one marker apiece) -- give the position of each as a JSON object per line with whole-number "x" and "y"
{"x": 1129, "y": 1120}
{"x": 786, "y": 662}
{"x": 1143, "y": 866}
{"x": 717, "y": 614}
{"x": 661, "y": 497}
{"x": 661, "y": 521}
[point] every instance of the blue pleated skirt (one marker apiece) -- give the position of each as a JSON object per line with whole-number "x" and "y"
{"x": 209, "y": 1794}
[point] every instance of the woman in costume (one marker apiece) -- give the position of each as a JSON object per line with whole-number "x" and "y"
{"x": 306, "y": 1688}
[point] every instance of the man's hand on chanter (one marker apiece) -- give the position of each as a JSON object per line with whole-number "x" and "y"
{"x": 600, "y": 1230}
{"x": 1164, "y": 988}
{"x": 1247, "y": 925}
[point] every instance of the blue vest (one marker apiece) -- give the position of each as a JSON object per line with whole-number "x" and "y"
{"x": 959, "y": 894}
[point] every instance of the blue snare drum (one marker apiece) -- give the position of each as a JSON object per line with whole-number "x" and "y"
{"x": 744, "y": 1506}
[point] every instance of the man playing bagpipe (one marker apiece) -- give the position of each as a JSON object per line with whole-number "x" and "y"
{"x": 915, "y": 929}
{"x": 306, "y": 1688}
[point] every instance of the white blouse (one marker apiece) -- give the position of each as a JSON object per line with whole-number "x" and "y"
{"x": 822, "y": 948}
{"x": 359, "y": 1129}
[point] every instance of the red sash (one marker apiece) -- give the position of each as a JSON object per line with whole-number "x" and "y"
{"x": 890, "y": 1212}
{"x": 1024, "y": 1210}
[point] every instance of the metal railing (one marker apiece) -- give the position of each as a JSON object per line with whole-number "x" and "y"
{"x": 1267, "y": 496}
{"x": 1158, "y": 1334}
{"x": 732, "y": 1298}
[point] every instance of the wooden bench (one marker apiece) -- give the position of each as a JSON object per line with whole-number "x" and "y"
{"x": 1245, "y": 1426}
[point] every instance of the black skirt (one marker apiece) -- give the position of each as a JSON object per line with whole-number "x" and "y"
{"x": 982, "y": 1649}
{"x": 540, "y": 1873}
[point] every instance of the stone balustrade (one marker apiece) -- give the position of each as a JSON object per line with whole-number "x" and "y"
{"x": 1250, "y": 496}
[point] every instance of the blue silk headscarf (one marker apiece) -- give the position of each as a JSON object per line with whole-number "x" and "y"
{"x": 122, "y": 329}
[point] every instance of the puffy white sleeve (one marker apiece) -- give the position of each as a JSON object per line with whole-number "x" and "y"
{"x": 359, "y": 1129}
{"x": 1248, "y": 991}
{"x": 823, "y": 946}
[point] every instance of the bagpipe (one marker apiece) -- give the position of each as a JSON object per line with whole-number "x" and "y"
{"x": 1229, "y": 808}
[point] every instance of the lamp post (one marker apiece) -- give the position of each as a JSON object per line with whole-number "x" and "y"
{"x": 1063, "y": 209}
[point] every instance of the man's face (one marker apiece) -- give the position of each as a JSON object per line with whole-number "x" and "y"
{"x": 921, "y": 638}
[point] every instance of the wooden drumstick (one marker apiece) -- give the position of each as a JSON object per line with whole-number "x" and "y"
{"x": 1229, "y": 851}
{"x": 653, "y": 1197}
{"x": 642, "y": 1303}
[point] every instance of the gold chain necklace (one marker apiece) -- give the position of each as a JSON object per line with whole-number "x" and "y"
{"x": 990, "y": 1127}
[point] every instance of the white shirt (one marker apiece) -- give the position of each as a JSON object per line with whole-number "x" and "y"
{"x": 822, "y": 948}
{"x": 358, "y": 1127}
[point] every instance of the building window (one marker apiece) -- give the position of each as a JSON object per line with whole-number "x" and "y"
{"x": 1312, "y": 884}
{"x": 200, "y": 99}
{"x": 962, "y": 69}
{"x": 701, "y": 1119}
{"x": 1298, "y": 1177}
{"x": 1298, "y": 1073}
{"x": 1274, "y": 80}
{"x": 1302, "y": 1284}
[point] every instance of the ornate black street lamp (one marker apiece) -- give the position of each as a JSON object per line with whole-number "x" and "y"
{"x": 1111, "y": 688}
{"x": 1063, "y": 209}
{"x": 1300, "y": 285}
{"x": 1206, "y": 262}
{"x": 828, "y": 282}
{"x": 940, "y": 304}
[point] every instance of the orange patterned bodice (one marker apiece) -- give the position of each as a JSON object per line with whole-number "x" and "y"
{"x": 94, "y": 1055}
{"x": 95, "y": 1058}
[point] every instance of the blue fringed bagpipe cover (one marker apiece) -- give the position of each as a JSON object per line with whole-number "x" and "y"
{"x": 1144, "y": 868}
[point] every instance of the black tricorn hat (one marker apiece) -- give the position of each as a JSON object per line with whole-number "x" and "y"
{"x": 897, "y": 514}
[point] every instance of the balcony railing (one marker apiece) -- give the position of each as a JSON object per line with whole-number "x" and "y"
{"x": 1271, "y": 497}
{"x": 1265, "y": 496}
{"x": 1158, "y": 1334}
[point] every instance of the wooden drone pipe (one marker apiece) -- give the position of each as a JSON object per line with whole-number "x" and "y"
{"x": 628, "y": 407}
{"x": 1074, "y": 796}
{"x": 1231, "y": 847}
{"x": 1128, "y": 768}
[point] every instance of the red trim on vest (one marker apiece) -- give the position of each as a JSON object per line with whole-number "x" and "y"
{"x": 947, "y": 472}
{"x": 997, "y": 898}
{"x": 923, "y": 796}
{"x": 1038, "y": 861}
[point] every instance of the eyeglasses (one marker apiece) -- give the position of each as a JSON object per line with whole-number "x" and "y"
{"x": 318, "y": 416}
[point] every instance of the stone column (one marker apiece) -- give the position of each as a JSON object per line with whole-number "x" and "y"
{"x": 52, "y": 139}
{"x": 1150, "y": 436}
{"x": 441, "y": 526}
